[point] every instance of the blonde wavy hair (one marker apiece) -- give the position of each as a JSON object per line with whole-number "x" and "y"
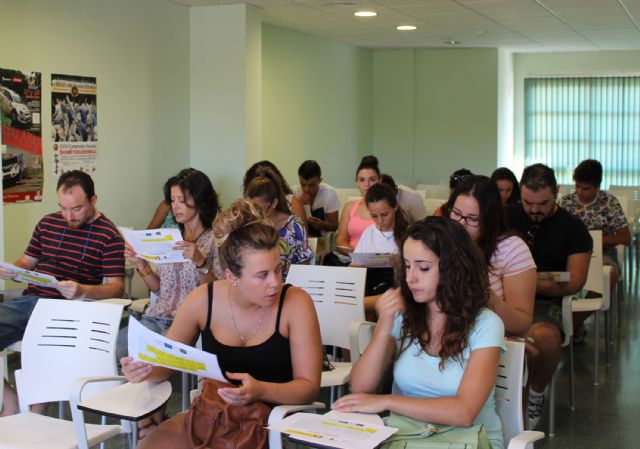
{"x": 242, "y": 226}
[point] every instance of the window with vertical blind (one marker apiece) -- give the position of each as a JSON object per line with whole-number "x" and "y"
{"x": 568, "y": 120}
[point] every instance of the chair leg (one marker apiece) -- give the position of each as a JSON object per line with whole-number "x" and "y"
{"x": 185, "y": 391}
{"x": 552, "y": 406}
{"x": 608, "y": 317}
{"x": 572, "y": 383}
{"x": 596, "y": 352}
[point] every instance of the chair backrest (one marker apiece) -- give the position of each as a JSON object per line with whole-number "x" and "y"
{"x": 594, "y": 276}
{"x": 313, "y": 246}
{"x": 344, "y": 193}
{"x": 434, "y": 190}
{"x": 508, "y": 393}
{"x": 65, "y": 340}
{"x": 431, "y": 204}
{"x": 337, "y": 294}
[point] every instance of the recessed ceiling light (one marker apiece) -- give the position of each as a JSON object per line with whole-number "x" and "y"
{"x": 365, "y": 13}
{"x": 406, "y": 27}
{"x": 452, "y": 42}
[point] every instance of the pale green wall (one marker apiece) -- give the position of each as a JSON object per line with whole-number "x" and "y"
{"x": 609, "y": 63}
{"x": 225, "y": 93}
{"x": 435, "y": 111}
{"x": 316, "y": 104}
{"x": 139, "y": 52}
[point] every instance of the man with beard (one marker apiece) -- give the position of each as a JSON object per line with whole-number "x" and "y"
{"x": 79, "y": 246}
{"x": 558, "y": 242}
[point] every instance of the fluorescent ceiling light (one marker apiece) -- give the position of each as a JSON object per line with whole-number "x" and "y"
{"x": 406, "y": 27}
{"x": 365, "y": 13}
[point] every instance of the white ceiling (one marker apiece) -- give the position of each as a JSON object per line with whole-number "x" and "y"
{"x": 521, "y": 25}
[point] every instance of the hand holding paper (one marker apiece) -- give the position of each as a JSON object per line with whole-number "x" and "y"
{"x": 152, "y": 348}
{"x": 155, "y": 245}
{"x": 21, "y": 275}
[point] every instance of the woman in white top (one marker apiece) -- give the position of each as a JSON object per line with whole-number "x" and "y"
{"x": 383, "y": 236}
{"x": 476, "y": 204}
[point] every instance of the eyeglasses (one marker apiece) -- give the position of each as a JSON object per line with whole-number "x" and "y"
{"x": 531, "y": 234}
{"x": 470, "y": 220}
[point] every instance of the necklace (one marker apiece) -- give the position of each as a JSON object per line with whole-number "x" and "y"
{"x": 196, "y": 239}
{"x": 235, "y": 324}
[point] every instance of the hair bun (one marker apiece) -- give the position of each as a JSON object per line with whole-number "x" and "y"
{"x": 369, "y": 161}
{"x": 241, "y": 213}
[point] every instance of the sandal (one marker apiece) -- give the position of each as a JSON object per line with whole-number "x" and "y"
{"x": 148, "y": 424}
{"x": 578, "y": 338}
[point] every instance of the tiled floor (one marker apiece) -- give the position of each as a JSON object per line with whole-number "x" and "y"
{"x": 605, "y": 415}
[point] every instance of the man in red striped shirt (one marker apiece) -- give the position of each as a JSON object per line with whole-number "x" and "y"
{"x": 79, "y": 246}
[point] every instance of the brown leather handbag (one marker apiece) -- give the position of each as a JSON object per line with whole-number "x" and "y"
{"x": 214, "y": 424}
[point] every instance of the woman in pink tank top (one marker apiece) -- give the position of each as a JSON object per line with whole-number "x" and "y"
{"x": 355, "y": 217}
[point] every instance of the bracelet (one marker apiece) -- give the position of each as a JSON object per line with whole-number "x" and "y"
{"x": 144, "y": 272}
{"x": 203, "y": 264}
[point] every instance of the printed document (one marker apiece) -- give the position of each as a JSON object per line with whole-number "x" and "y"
{"x": 334, "y": 431}
{"x": 147, "y": 346}
{"x": 155, "y": 245}
{"x": 31, "y": 277}
{"x": 371, "y": 259}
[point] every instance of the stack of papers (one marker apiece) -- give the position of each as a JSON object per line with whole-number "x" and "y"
{"x": 334, "y": 430}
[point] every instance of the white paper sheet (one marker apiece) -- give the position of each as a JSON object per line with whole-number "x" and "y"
{"x": 155, "y": 245}
{"x": 333, "y": 431}
{"x": 371, "y": 259}
{"x": 150, "y": 347}
{"x": 31, "y": 277}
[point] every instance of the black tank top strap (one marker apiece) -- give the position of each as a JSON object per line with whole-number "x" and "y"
{"x": 209, "y": 305}
{"x": 285, "y": 287}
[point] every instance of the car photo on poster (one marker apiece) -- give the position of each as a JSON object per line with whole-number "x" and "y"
{"x": 13, "y": 166}
{"x": 14, "y": 107}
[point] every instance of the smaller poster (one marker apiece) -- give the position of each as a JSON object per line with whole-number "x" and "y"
{"x": 20, "y": 104}
{"x": 74, "y": 123}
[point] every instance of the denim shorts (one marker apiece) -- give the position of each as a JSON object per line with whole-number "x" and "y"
{"x": 14, "y": 316}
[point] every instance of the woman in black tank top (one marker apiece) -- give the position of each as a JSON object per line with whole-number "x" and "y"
{"x": 266, "y": 335}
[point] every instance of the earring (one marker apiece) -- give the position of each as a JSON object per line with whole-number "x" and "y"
{"x": 235, "y": 283}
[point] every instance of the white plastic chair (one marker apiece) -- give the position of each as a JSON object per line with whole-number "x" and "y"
{"x": 338, "y": 295}
{"x": 435, "y": 190}
{"x": 597, "y": 281}
{"x": 431, "y": 204}
{"x": 313, "y": 246}
{"x": 508, "y": 396}
{"x": 65, "y": 340}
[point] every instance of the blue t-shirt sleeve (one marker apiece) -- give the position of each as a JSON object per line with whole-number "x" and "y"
{"x": 397, "y": 325}
{"x": 488, "y": 332}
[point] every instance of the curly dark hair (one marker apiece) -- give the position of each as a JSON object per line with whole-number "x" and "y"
{"x": 198, "y": 185}
{"x": 462, "y": 290}
{"x": 493, "y": 226}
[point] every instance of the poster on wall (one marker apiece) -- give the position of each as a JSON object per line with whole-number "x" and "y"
{"x": 74, "y": 123}
{"x": 21, "y": 144}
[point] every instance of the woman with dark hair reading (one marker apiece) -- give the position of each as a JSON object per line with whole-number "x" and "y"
{"x": 444, "y": 343}
{"x": 507, "y": 185}
{"x": 266, "y": 191}
{"x": 475, "y": 203}
{"x": 266, "y": 336}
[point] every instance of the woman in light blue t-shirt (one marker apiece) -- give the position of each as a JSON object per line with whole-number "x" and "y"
{"x": 444, "y": 344}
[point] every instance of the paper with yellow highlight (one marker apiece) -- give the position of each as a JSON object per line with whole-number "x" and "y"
{"x": 155, "y": 245}
{"x": 148, "y": 346}
{"x": 336, "y": 430}
{"x": 29, "y": 276}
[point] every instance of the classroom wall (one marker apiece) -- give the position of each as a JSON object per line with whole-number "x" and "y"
{"x": 435, "y": 111}
{"x": 316, "y": 104}
{"x": 139, "y": 52}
